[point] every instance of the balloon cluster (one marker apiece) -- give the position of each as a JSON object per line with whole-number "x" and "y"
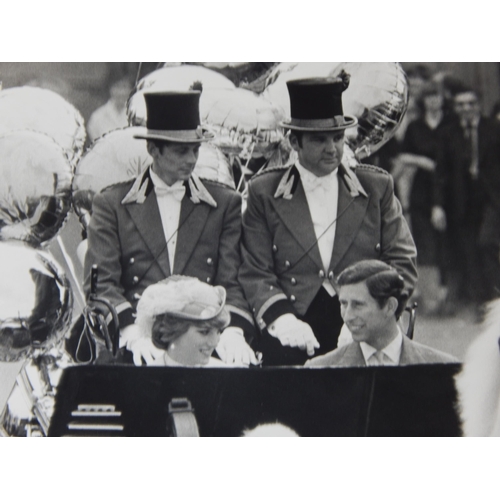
{"x": 41, "y": 140}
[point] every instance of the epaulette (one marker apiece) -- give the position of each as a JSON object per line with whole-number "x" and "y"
{"x": 373, "y": 168}
{"x": 276, "y": 168}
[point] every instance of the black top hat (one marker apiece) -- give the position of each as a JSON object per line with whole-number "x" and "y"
{"x": 316, "y": 105}
{"x": 173, "y": 116}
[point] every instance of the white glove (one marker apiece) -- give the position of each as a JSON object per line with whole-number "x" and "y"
{"x": 233, "y": 349}
{"x": 293, "y": 332}
{"x": 141, "y": 347}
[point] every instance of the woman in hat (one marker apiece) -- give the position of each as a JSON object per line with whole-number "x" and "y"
{"x": 184, "y": 317}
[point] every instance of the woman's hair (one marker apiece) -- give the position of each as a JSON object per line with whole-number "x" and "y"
{"x": 167, "y": 328}
{"x": 382, "y": 281}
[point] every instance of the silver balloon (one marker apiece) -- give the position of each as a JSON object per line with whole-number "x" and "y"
{"x": 244, "y": 123}
{"x": 171, "y": 78}
{"x": 378, "y": 97}
{"x": 32, "y": 108}
{"x": 35, "y": 301}
{"x": 118, "y": 157}
{"x": 35, "y": 192}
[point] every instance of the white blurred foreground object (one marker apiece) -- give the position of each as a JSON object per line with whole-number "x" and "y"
{"x": 270, "y": 430}
{"x": 478, "y": 384}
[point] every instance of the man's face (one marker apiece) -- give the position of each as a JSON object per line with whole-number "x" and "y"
{"x": 321, "y": 152}
{"x": 366, "y": 320}
{"x": 467, "y": 106}
{"x": 175, "y": 160}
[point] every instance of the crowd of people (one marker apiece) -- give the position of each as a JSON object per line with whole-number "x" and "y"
{"x": 271, "y": 286}
{"x": 445, "y": 161}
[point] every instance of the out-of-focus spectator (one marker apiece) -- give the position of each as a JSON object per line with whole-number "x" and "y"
{"x": 111, "y": 115}
{"x": 417, "y": 163}
{"x": 495, "y": 112}
{"x": 467, "y": 200}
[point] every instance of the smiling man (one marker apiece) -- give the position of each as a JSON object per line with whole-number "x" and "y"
{"x": 169, "y": 221}
{"x": 307, "y": 222}
{"x": 372, "y": 298}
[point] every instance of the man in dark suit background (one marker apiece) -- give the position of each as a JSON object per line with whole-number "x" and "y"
{"x": 467, "y": 200}
{"x": 306, "y": 222}
{"x": 168, "y": 221}
{"x": 372, "y": 298}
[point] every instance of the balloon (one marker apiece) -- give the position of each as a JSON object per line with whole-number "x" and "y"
{"x": 244, "y": 123}
{"x": 171, "y": 78}
{"x": 118, "y": 157}
{"x": 378, "y": 97}
{"x": 32, "y": 108}
{"x": 35, "y": 301}
{"x": 35, "y": 192}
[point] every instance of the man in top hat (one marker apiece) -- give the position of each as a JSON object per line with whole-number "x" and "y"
{"x": 307, "y": 222}
{"x": 168, "y": 221}
{"x": 372, "y": 298}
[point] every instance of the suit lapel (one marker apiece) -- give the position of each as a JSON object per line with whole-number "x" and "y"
{"x": 296, "y": 217}
{"x": 409, "y": 355}
{"x": 353, "y": 356}
{"x": 146, "y": 217}
{"x": 350, "y": 214}
{"x": 192, "y": 220}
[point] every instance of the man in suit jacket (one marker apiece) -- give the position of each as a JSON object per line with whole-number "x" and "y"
{"x": 307, "y": 222}
{"x": 372, "y": 297}
{"x": 467, "y": 200}
{"x": 168, "y": 221}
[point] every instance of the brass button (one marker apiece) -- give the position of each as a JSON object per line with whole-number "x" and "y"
{"x": 135, "y": 279}
{"x": 275, "y": 248}
{"x": 132, "y": 260}
{"x": 321, "y": 274}
{"x": 292, "y": 298}
{"x": 330, "y": 275}
{"x": 253, "y": 309}
{"x": 294, "y": 281}
{"x": 271, "y": 287}
{"x": 208, "y": 280}
{"x": 287, "y": 264}
{"x": 209, "y": 261}
{"x": 377, "y": 247}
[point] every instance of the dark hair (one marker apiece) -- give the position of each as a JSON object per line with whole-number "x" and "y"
{"x": 382, "y": 281}
{"x": 298, "y": 134}
{"x": 167, "y": 328}
{"x": 160, "y": 144}
{"x": 419, "y": 71}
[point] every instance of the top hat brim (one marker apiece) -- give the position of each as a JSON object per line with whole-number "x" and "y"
{"x": 188, "y": 136}
{"x": 317, "y": 126}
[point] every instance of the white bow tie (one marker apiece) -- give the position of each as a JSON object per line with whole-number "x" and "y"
{"x": 177, "y": 191}
{"x": 311, "y": 183}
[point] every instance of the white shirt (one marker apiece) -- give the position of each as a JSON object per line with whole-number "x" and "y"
{"x": 322, "y": 195}
{"x": 392, "y": 352}
{"x": 170, "y": 211}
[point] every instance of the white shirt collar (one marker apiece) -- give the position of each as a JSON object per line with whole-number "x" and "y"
{"x": 393, "y": 350}
{"x": 311, "y": 181}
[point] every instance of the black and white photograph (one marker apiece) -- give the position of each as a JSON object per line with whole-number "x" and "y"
{"x": 240, "y": 249}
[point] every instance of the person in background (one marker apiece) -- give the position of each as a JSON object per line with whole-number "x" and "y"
{"x": 467, "y": 202}
{"x": 417, "y": 163}
{"x": 372, "y": 298}
{"x": 112, "y": 114}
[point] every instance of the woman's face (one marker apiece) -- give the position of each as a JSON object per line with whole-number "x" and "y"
{"x": 433, "y": 102}
{"x": 195, "y": 346}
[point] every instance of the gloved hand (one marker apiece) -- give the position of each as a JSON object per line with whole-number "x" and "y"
{"x": 293, "y": 332}
{"x": 233, "y": 349}
{"x": 141, "y": 347}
